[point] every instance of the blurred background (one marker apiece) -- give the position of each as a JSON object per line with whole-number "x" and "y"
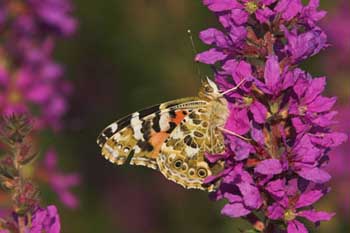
{"x": 127, "y": 55}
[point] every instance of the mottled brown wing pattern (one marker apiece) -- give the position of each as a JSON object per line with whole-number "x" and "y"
{"x": 143, "y": 133}
{"x": 182, "y": 156}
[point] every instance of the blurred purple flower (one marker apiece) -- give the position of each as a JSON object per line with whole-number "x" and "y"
{"x": 41, "y": 220}
{"x": 56, "y": 15}
{"x": 60, "y": 182}
{"x": 34, "y": 83}
{"x": 337, "y": 27}
{"x": 340, "y": 163}
{"x": 27, "y": 90}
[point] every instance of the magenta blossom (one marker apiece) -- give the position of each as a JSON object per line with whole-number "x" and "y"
{"x": 40, "y": 220}
{"x": 60, "y": 182}
{"x": 340, "y": 163}
{"x": 290, "y": 205}
{"x": 45, "y": 220}
{"x": 30, "y": 80}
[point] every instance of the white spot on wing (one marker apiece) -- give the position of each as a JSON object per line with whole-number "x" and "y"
{"x": 190, "y": 152}
{"x": 114, "y": 127}
{"x": 177, "y": 134}
{"x": 136, "y": 124}
{"x": 164, "y": 122}
{"x": 137, "y": 149}
{"x": 111, "y": 151}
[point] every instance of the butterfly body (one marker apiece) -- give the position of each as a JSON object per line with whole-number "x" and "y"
{"x": 172, "y": 137}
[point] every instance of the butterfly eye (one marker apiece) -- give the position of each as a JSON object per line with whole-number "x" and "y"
{"x": 202, "y": 172}
{"x": 208, "y": 88}
{"x": 178, "y": 163}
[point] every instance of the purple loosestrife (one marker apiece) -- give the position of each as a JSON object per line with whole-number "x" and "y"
{"x": 279, "y": 171}
{"x": 29, "y": 78}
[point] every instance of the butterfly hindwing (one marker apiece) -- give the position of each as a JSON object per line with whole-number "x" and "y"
{"x": 182, "y": 156}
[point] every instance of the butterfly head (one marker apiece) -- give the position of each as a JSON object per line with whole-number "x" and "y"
{"x": 209, "y": 89}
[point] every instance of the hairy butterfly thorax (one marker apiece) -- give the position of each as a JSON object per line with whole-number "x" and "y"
{"x": 172, "y": 137}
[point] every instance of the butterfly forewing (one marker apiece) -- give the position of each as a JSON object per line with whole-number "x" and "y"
{"x": 142, "y": 133}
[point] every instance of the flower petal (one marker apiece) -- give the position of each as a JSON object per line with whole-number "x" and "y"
{"x": 276, "y": 188}
{"x": 296, "y": 227}
{"x": 272, "y": 72}
{"x": 315, "y": 174}
{"x": 309, "y": 198}
{"x": 210, "y": 56}
{"x": 316, "y": 216}
{"x": 269, "y": 167}
{"x": 275, "y": 211}
{"x": 259, "y": 112}
{"x": 212, "y": 36}
{"x": 251, "y": 195}
{"x": 235, "y": 210}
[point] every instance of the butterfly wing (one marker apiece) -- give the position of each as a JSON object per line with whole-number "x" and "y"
{"x": 142, "y": 133}
{"x": 182, "y": 156}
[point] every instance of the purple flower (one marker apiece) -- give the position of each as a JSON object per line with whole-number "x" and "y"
{"x": 310, "y": 105}
{"x": 269, "y": 167}
{"x": 225, "y": 45}
{"x": 59, "y": 181}
{"x": 289, "y": 8}
{"x": 304, "y": 45}
{"x": 310, "y": 15}
{"x": 40, "y": 220}
{"x": 239, "y": 11}
{"x": 304, "y": 160}
{"x": 34, "y": 81}
{"x": 28, "y": 89}
{"x": 46, "y": 220}
{"x": 237, "y": 186}
{"x": 340, "y": 163}
{"x": 290, "y": 205}
{"x": 55, "y": 14}
{"x": 336, "y": 26}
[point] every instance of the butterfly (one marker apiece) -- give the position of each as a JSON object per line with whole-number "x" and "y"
{"x": 173, "y": 137}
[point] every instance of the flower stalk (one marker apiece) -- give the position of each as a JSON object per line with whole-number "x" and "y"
{"x": 14, "y": 132}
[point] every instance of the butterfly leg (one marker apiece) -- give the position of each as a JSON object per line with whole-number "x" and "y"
{"x": 222, "y": 129}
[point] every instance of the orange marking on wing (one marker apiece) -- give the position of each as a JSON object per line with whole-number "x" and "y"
{"x": 179, "y": 117}
{"x": 156, "y": 140}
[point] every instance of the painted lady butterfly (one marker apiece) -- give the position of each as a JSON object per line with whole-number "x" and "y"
{"x": 173, "y": 137}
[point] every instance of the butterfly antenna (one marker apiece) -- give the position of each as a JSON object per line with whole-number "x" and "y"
{"x": 194, "y": 50}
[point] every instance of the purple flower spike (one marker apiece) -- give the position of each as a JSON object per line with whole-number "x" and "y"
{"x": 278, "y": 169}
